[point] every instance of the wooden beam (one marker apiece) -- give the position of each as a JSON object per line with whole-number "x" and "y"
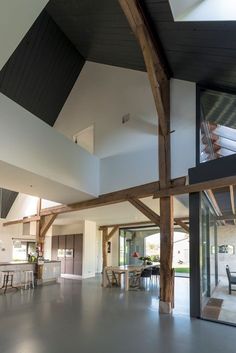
{"x": 148, "y": 212}
{"x": 140, "y": 191}
{"x": 197, "y": 187}
{"x": 166, "y": 250}
{"x": 38, "y": 223}
{"x": 154, "y": 59}
{"x": 232, "y": 200}
{"x": 180, "y": 221}
{"x": 183, "y": 225}
{"x": 24, "y": 220}
{"x": 112, "y": 232}
{"x": 130, "y": 224}
{"x": 104, "y": 248}
{"x": 46, "y": 224}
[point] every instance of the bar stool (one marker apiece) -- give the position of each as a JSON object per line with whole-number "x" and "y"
{"x": 8, "y": 278}
{"x": 28, "y": 278}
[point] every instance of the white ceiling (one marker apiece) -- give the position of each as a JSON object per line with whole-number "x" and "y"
{"x": 118, "y": 213}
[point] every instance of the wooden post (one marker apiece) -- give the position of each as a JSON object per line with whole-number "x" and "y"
{"x": 104, "y": 248}
{"x": 166, "y": 272}
{"x": 158, "y": 75}
{"x": 166, "y": 214}
{"x": 39, "y": 268}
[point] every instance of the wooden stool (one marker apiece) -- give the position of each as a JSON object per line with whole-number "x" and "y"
{"x": 8, "y": 278}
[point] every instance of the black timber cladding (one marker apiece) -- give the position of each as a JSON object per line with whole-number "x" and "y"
{"x": 42, "y": 71}
{"x": 196, "y": 51}
{"x": 99, "y": 30}
{"x": 7, "y": 198}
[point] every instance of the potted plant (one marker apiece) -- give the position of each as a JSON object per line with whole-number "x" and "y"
{"x": 146, "y": 260}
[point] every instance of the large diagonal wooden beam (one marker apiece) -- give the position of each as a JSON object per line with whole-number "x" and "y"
{"x": 148, "y": 212}
{"x": 112, "y": 232}
{"x": 47, "y": 221}
{"x": 154, "y": 59}
{"x": 183, "y": 225}
{"x": 153, "y": 216}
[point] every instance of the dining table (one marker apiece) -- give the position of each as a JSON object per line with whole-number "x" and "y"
{"x": 125, "y": 270}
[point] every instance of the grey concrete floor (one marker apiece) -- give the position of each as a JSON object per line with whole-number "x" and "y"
{"x": 81, "y": 316}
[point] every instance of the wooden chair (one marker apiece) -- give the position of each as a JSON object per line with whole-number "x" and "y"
{"x": 231, "y": 279}
{"x": 111, "y": 278}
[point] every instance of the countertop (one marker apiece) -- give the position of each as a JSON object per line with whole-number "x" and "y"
{"x": 23, "y": 263}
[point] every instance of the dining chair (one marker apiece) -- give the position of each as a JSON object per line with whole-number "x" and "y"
{"x": 147, "y": 273}
{"x": 156, "y": 273}
{"x": 111, "y": 278}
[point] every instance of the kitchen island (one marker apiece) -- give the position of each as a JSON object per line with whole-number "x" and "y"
{"x": 51, "y": 270}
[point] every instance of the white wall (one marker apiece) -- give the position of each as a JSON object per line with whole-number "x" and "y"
{"x": 128, "y": 152}
{"x": 113, "y": 257}
{"x": 89, "y": 249}
{"x": 183, "y": 122}
{"x": 226, "y": 236}
{"x": 127, "y": 170}
{"x": 24, "y": 205}
{"x": 6, "y": 242}
{"x": 16, "y": 18}
{"x": 141, "y": 167}
{"x": 30, "y": 146}
{"x": 101, "y": 95}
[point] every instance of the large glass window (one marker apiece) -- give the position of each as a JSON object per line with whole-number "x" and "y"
{"x": 217, "y": 258}
{"x": 217, "y": 116}
{"x": 146, "y": 242}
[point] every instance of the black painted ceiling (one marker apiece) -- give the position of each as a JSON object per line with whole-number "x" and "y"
{"x": 99, "y": 30}
{"x": 7, "y": 198}
{"x": 196, "y": 51}
{"x": 42, "y": 70}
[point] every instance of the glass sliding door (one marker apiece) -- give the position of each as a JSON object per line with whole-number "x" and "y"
{"x": 210, "y": 306}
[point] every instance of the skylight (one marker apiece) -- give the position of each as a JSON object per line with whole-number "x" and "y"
{"x": 203, "y": 10}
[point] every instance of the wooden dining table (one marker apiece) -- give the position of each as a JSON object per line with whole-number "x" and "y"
{"x": 126, "y": 270}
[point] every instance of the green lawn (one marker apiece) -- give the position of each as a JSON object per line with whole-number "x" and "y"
{"x": 182, "y": 269}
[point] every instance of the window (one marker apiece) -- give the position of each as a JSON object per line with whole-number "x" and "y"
{"x": 21, "y": 250}
{"x": 217, "y": 116}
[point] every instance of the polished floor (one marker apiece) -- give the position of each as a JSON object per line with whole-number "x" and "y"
{"x": 228, "y": 309}
{"x": 81, "y": 316}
